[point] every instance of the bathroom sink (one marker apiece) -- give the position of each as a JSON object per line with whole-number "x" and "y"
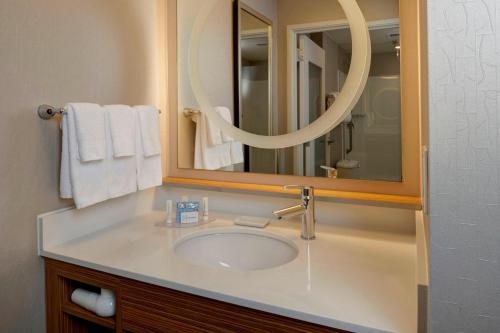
{"x": 236, "y": 249}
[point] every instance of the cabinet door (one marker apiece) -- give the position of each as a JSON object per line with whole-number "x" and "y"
{"x": 152, "y": 309}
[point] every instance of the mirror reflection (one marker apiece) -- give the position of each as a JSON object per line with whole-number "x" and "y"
{"x": 254, "y": 85}
{"x": 276, "y": 67}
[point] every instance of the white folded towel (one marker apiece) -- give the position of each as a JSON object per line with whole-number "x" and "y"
{"x": 148, "y": 168}
{"x": 209, "y": 157}
{"x": 85, "y": 182}
{"x": 95, "y": 181}
{"x": 214, "y": 134}
{"x": 122, "y": 128}
{"x": 226, "y": 114}
{"x": 90, "y": 131}
{"x": 121, "y": 171}
{"x": 237, "y": 156}
{"x": 149, "y": 130}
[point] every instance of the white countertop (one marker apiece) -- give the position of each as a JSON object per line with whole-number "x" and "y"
{"x": 350, "y": 280}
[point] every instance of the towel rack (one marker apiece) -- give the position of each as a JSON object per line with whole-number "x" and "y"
{"x": 190, "y": 112}
{"x": 47, "y": 112}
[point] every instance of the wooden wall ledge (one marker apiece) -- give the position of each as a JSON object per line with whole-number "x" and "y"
{"x": 351, "y": 197}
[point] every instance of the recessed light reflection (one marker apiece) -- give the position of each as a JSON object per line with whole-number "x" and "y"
{"x": 223, "y": 264}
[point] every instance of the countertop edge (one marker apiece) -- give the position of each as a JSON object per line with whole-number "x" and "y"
{"x": 214, "y": 295}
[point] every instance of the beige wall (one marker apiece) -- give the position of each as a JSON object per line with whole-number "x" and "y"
{"x": 57, "y": 51}
{"x": 385, "y": 64}
{"x": 250, "y": 22}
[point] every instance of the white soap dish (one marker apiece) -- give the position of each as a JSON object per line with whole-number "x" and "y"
{"x": 252, "y": 221}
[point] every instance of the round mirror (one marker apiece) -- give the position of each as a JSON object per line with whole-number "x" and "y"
{"x": 335, "y": 114}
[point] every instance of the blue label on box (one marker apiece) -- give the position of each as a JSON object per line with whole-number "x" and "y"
{"x": 187, "y": 212}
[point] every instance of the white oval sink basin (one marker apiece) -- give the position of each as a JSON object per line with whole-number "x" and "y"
{"x": 236, "y": 249}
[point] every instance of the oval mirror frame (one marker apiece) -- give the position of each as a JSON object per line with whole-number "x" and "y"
{"x": 346, "y": 101}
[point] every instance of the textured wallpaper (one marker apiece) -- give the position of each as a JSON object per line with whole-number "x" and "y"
{"x": 464, "y": 46}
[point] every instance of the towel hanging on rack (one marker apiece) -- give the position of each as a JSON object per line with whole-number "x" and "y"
{"x": 88, "y": 183}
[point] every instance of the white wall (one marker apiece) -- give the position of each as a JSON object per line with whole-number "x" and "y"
{"x": 331, "y": 64}
{"x": 464, "y": 60}
{"x": 58, "y": 51}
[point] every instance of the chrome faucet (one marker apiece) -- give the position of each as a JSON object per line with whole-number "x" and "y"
{"x": 305, "y": 209}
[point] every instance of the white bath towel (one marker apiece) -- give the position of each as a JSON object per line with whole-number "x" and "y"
{"x": 209, "y": 157}
{"x": 90, "y": 131}
{"x": 85, "y": 182}
{"x": 121, "y": 171}
{"x": 149, "y": 129}
{"x": 148, "y": 168}
{"x": 122, "y": 128}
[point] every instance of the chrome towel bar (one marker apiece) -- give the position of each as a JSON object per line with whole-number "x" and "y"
{"x": 190, "y": 112}
{"x": 47, "y": 112}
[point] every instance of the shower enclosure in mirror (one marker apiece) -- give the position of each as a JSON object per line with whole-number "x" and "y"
{"x": 253, "y": 83}
{"x": 273, "y": 67}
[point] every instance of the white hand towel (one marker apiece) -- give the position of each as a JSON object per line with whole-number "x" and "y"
{"x": 226, "y": 114}
{"x": 90, "y": 131}
{"x": 65, "y": 178}
{"x": 237, "y": 156}
{"x": 209, "y": 157}
{"x": 149, "y": 173}
{"x": 199, "y": 144}
{"x": 121, "y": 171}
{"x": 149, "y": 129}
{"x": 213, "y": 134}
{"x": 122, "y": 128}
{"x": 88, "y": 181}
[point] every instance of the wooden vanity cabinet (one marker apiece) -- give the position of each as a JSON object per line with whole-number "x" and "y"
{"x": 146, "y": 308}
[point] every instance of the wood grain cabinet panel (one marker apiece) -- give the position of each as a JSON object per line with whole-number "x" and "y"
{"x": 146, "y": 308}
